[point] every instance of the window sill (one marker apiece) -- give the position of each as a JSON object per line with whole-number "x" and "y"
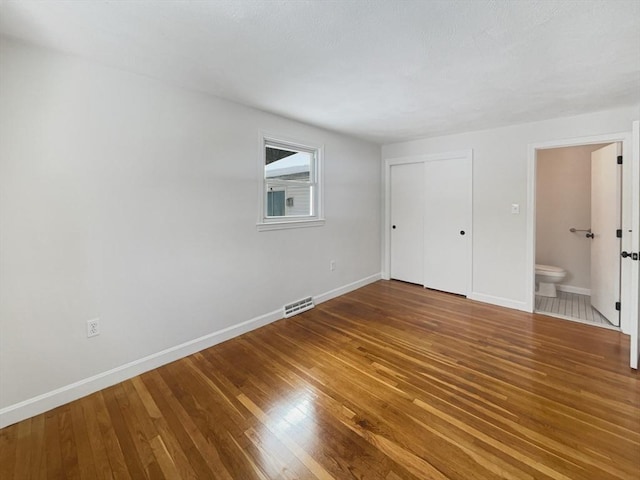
{"x": 266, "y": 226}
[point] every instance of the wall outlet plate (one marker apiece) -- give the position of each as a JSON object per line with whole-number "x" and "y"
{"x": 93, "y": 327}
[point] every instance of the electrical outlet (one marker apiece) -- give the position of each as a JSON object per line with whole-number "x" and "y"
{"x": 93, "y": 327}
{"x": 515, "y": 208}
{"x": 332, "y": 265}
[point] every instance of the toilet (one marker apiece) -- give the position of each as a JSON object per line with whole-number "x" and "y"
{"x": 547, "y": 276}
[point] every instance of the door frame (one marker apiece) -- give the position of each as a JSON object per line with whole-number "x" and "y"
{"x": 388, "y": 163}
{"x": 634, "y": 172}
{"x": 628, "y": 187}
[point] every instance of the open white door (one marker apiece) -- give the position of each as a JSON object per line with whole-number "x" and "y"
{"x": 407, "y": 207}
{"x": 634, "y": 300}
{"x": 605, "y": 221}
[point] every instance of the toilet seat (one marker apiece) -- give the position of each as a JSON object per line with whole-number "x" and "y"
{"x": 549, "y": 270}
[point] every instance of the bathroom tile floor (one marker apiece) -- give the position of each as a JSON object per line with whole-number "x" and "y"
{"x": 571, "y": 306}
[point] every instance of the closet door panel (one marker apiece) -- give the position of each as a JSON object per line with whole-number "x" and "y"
{"x": 447, "y": 225}
{"x": 407, "y": 213}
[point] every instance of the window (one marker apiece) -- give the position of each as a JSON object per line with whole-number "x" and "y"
{"x": 275, "y": 203}
{"x": 291, "y": 190}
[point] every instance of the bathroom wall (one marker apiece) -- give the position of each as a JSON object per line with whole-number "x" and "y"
{"x": 563, "y": 200}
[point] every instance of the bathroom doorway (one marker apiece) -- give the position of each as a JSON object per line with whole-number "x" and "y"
{"x": 630, "y": 241}
{"x": 577, "y": 257}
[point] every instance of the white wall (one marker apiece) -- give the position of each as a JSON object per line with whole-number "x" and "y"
{"x": 136, "y": 202}
{"x": 499, "y": 180}
{"x": 563, "y": 200}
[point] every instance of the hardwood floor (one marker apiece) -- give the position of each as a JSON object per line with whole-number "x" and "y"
{"x": 388, "y": 382}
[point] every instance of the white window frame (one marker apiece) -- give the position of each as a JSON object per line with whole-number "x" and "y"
{"x": 316, "y": 218}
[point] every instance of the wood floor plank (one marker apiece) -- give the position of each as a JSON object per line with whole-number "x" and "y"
{"x": 52, "y": 440}
{"x": 38, "y": 467}
{"x": 165, "y": 444}
{"x": 8, "y": 446}
{"x": 179, "y": 428}
{"x": 211, "y": 421}
{"x": 86, "y": 463}
{"x": 23, "y": 450}
{"x": 68, "y": 443}
{"x": 204, "y": 456}
{"x": 99, "y": 455}
{"x": 391, "y": 381}
{"x": 118, "y": 421}
{"x": 109, "y": 437}
{"x": 141, "y": 428}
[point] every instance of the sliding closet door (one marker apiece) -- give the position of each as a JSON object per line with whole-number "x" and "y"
{"x": 447, "y": 225}
{"x": 407, "y": 207}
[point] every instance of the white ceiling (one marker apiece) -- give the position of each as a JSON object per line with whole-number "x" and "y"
{"x": 382, "y": 70}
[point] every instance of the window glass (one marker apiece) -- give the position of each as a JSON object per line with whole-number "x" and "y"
{"x": 287, "y": 165}
{"x": 275, "y": 203}
{"x": 289, "y": 187}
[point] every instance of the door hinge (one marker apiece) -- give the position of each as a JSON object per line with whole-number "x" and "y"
{"x": 618, "y": 306}
{"x": 619, "y": 233}
{"x": 619, "y": 159}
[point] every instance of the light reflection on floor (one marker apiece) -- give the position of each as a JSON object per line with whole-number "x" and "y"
{"x": 291, "y": 424}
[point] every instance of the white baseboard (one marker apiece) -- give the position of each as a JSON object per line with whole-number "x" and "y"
{"x": 336, "y": 292}
{"x": 60, "y": 396}
{"x": 500, "y": 301}
{"x": 572, "y": 289}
